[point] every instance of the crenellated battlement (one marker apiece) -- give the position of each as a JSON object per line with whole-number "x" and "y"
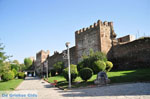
{"x": 95, "y": 25}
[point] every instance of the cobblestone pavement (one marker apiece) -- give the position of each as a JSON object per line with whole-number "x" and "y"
{"x": 120, "y": 91}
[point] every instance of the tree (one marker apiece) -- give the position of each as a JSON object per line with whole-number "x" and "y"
{"x": 16, "y": 62}
{"x": 3, "y": 57}
{"x": 4, "y": 66}
{"x": 27, "y": 62}
{"x": 15, "y": 66}
{"x": 22, "y": 67}
{"x": 73, "y": 71}
{"x": 59, "y": 66}
{"x": 88, "y": 61}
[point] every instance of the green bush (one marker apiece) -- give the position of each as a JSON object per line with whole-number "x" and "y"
{"x": 73, "y": 70}
{"x": 28, "y": 63}
{"x": 88, "y": 61}
{"x": 109, "y": 66}
{"x": 21, "y": 75}
{"x": 53, "y": 72}
{"x": 8, "y": 76}
{"x": 49, "y": 75}
{"x": 80, "y": 65}
{"x": 99, "y": 66}
{"x": 59, "y": 66}
{"x": 15, "y": 72}
{"x": 86, "y": 73}
{"x": 15, "y": 66}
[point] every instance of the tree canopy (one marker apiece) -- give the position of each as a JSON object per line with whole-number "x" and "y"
{"x": 4, "y": 66}
{"x": 27, "y": 62}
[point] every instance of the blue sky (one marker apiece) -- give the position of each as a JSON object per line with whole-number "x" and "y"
{"x": 27, "y": 26}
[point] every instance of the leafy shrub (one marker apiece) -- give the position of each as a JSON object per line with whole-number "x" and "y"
{"x": 73, "y": 71}
{"x": 59, "y": 66}
{"x": 15, "y": 72}
{"x": 98, "y": 56}
{"x": 21, "y": 75}
{"x": 109, "y": 66}
{"x": 88, "y": 61}
{"x": 15, "y": 66}
{"x": 99, "y": 66}
{"x": 80, "y": 65}
{"x": 86, "y": 73}
{"x": 49, "y": 75}
{"x": 53, "y": 72}
{"x": 28, "y": 63}
{"x": 8, "y": 76}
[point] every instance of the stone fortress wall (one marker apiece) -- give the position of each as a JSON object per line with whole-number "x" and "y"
{"x": 101, "y": 37}
{"x": 97, "y": 37}
{"x": 131, "y": 55}
{"x": 41, "y": 57}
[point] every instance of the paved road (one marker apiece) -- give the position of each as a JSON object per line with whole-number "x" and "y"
{"x": 121, "y": 91}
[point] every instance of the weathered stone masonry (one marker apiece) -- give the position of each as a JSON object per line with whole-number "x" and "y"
{"x": 135, "y": 54}
{"x": 97, "y": 37}
{"x": 124, "y": 52}
{"x": 41, "y": 57}
{"x": 59, "y": 57}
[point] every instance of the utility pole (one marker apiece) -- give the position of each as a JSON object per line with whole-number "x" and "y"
{"x": 69, "y": 74}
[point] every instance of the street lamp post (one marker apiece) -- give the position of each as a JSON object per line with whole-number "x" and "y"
{"x": 67, "y": 45}
{"x": 47, "y": 68}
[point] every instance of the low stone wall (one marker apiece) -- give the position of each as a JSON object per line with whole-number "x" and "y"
{"x": 132, "y": 55}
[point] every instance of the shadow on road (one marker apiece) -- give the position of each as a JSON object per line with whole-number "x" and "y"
{"x": 113, "y": 90}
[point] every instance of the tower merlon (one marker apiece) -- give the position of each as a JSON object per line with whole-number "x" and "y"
{"x": 110, "y": 23}
{"x": 98, "y": 23}
{"x": 105, "y": 23}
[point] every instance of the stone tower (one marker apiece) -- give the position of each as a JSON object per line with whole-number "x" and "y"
{"x": 40, "y": 58}
{"x": 98, "y": 37}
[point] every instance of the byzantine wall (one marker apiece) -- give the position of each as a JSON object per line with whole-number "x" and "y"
{"x": 124, "y": 52}
{"x": 56, "y": 57}
{"x": 107, "y": 34}
{"x": 59, "y": 57}
{"x": 85, "y": 39}
{"x": 132, "y": 55}
{"x": 40, "y": 58}
{"x": 97, "y": 37}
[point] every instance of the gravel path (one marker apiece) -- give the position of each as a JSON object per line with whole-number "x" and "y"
{"x": 122, "y": 91}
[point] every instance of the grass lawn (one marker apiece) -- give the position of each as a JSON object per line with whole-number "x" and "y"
{"x": 9, "y": 85}
{"x": 139, "y": 75}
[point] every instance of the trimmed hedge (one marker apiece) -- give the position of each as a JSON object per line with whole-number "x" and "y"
{"x": 109, "y": 66}
{"x": 89, "y": 61}
{"x": 8, "y": 76}
{"x": 99, "y": 66}
{"x": 73, "y": 70}
{"x": 86, "y": 73}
